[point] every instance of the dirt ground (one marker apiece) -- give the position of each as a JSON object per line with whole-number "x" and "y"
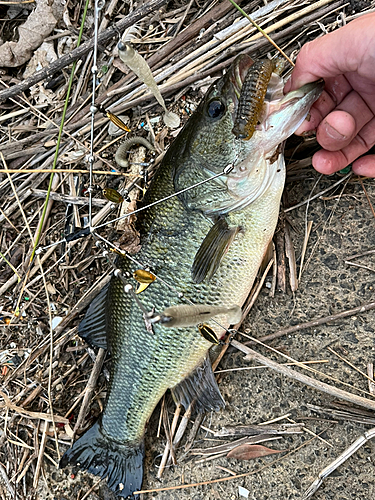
{"x": 343, "y": 225}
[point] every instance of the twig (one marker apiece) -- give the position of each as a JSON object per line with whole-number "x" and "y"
{"x": 40, "y": 455}
{"x": 367, "y": 196}
{"x": 253, "y": 298}
{"x": 263, "y": 32}
{"x": 5, "y": 478}
{"x": 291, "y": 256}
{"x": 65, "y": 198}
{"x": 304, "y": 246}
{"x": 320, "y": 386}
{"x": 370, "y": 373}
{"x": 317, "y": 322}
{"x": 225, "y": 479}
{"x": 31, "y": 414}
{"x": 319, "y": 194}
{"x": 89, "y": 388}
{"x": 349, "y": 363}
{"x": 168, "y": 447}
{"x": 339, "y": 460}
{"x": 49, "y": 369}
{"x": 359, "y": 265}
{"x": 62, "y": 170}
{"x": 90, "y": 490}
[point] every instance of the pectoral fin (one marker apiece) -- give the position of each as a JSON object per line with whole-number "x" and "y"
{"x": 212, "y": 250}
{"x": 93, "y": 326}
{"x": 201, "y": 386}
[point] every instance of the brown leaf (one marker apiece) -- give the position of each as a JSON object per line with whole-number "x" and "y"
{"x": 250, "y": 451}
{"x": 31, "y": 34}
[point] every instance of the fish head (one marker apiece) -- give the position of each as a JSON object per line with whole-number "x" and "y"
{"x": 207, "y": 137}
{"x": 207, "y": 145}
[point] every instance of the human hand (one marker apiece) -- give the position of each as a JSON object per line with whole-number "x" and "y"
{"x": 344, "y": 115}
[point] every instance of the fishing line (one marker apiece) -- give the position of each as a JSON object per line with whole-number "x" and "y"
{"x": 91, "y": 230}
{"x": 226, "y": 171}
{"x": 99, "y": 4}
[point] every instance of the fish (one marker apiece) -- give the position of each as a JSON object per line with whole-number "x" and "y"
{"x": 204, "y": 244}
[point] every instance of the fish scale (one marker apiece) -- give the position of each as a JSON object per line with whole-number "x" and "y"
{"x": 204, "y": 246}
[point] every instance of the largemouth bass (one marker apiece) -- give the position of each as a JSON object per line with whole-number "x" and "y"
{"x": 204, "y": 246}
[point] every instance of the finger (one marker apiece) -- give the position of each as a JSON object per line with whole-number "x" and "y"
{"x": 365, "y": 166}
{"x": 336, "y": 131}
{"x": 335, "y": 91}
{"x": 328, "y": 162}
{"x": 344, "y": 51}
{"x": 339, "y": 127}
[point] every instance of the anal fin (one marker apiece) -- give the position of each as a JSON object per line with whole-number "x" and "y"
{"x": 93, "y": 326}
{"x": 201, "y": 386}
{"x": 212, "y": 250}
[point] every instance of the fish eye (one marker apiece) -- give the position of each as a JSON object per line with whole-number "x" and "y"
{"x": 216, "y": 109}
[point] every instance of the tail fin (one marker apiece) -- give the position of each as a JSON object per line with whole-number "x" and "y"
{"x": 122, "y": 464}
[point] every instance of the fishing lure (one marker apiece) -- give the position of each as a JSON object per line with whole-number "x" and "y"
{"x": 139, "y": 66}
{"x": 208, "y": 333}
{"x": 114, "y": 119}
{"x": 112, "y": 195}
{"x": 189, "y": 315}
{"x": 251, "y": 100}
{"x": 144, "y": 278}
{"x": 120, "y": 156}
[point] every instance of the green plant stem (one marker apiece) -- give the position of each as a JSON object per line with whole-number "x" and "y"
{"x": 261, "y": 31}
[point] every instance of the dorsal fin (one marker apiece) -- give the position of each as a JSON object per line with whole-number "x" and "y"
{"x": 94, "y": 325}
{"x": 201, "y": 386}
{"x": 212, "y": 250}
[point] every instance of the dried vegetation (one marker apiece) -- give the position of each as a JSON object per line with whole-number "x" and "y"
{"x": 52, "y": 385}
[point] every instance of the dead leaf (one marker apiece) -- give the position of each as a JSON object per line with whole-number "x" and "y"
{"x": 32, "y": 34}
{"x": 251, "y": 451}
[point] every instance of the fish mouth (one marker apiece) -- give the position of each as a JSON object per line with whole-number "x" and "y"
{"x": 310, "y": 92}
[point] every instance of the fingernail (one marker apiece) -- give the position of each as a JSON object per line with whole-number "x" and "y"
{"x": 333, "y": 133}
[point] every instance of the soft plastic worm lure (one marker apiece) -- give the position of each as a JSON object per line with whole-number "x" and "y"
{"x": 253, "y": 91}
{"x": 139, "y": 66}
{"x": 121, "y": 152}
{"x": 189, "y": 315}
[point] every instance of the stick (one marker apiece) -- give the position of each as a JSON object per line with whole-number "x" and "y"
{"x": 339, "y": 460}
{"x": 288, "y": 372}
{"x": 40, "y": 455}
{"x": 31, "y": 414}
{"x": 168, "y": 445}
{"x": 317, "y": 322}
{"x": 89, "y": 388}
